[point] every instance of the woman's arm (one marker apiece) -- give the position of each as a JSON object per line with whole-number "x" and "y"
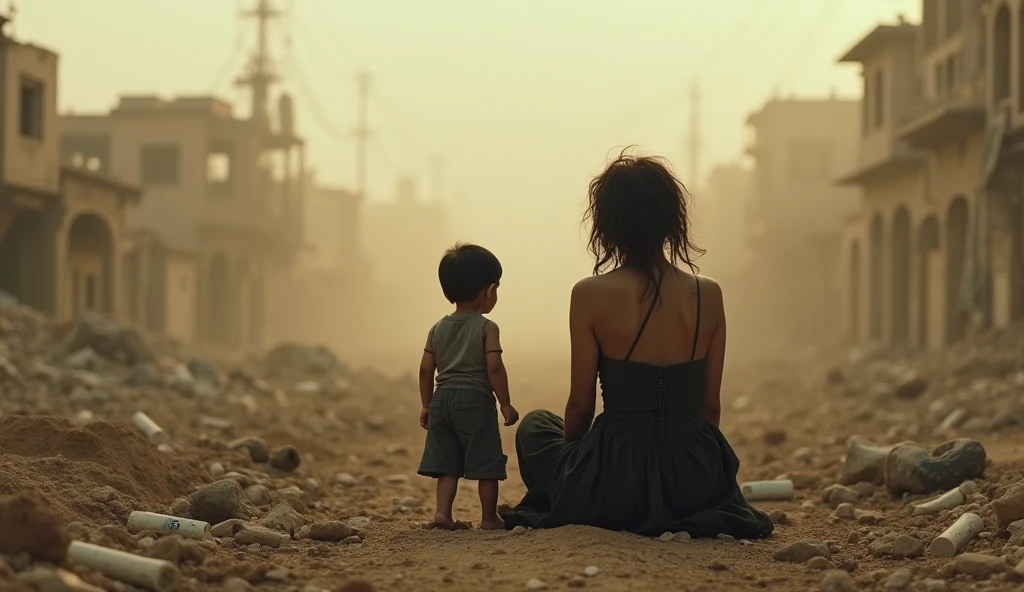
{"x": 712, "y": 405}
{"x": 579, "y": 410}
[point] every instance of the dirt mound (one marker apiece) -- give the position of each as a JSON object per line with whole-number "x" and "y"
{"x": 95, "y": 474}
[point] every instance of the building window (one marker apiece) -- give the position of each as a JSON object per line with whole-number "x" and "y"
{"x": 91, "y": 152}
{"x": 218, "y": 170}
{"x": 31, "y": 109}
{"x": 161, "y": 165}
{"x": 879, "y": 99}
{"x": 810, "y": 161}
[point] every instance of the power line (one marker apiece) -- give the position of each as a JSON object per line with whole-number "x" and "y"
{"x": 738, "y": 32}
{"x": 310, "y": 98}
{"x": 754, "y": 42}
{"x": 820, "y": 26}
{"x": 333, "y": 33}
{"x": 229, "y": 64}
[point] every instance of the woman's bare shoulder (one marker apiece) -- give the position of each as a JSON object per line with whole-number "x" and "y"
{"x": 710, "y": 291}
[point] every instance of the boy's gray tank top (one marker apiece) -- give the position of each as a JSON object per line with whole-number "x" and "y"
{"x": 458, "y": 345}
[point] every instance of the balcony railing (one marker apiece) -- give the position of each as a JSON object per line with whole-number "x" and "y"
{"x": 966, "y": 94}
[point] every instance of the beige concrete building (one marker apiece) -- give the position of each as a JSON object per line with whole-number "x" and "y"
{"x": 1002, "y": 215}
{"x": 403, "y": 240}
{"x": 913, "y": 268}
{"x": 792, "y": 289}
{"x": 62, "y": 229}
{"x": 220, "y": 229}
{"x": 722, "y": 220}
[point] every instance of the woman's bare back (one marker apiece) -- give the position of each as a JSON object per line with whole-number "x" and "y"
{"x": 619, "y": 305}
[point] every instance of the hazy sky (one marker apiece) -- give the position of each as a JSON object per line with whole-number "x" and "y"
{"x": 525, "y": 100}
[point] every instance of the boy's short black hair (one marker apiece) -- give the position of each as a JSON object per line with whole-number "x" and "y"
{"x": 465, "y": 270}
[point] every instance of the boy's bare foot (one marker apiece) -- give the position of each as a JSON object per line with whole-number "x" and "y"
{"x": 446, "y": 522}
{"x": 492, "y": 524}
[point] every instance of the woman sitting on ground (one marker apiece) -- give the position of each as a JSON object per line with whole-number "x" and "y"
{"x": 654, "y": 333}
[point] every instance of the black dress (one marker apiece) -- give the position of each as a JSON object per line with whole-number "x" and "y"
{"x": 650, "y": 463}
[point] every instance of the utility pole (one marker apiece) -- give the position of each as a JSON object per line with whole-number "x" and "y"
{"x": 437, "y": 166}
{"x": 695, "y": 140}
{"x": 362, "y": 133}
{"x": 261, "y": 72}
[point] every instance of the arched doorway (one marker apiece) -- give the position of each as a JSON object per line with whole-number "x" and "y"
{"x": 219, "y": 298}
{"x": 900, "y": 276}
{"x": 927, "y": 244}
{"x": 89, "y": 274}
{"x": 875, "y": 270}
{"x": 1001, "y": 84}
{"x": 855, "y": 291}
{"x": 956, "y": 255}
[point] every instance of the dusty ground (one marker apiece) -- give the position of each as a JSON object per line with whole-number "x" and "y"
{"x": 369, "y": 430}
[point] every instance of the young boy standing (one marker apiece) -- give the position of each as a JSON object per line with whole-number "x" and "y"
{"x": 459, "y": 414}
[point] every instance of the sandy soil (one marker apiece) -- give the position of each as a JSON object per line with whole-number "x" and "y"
{"x": 372, "y": 433}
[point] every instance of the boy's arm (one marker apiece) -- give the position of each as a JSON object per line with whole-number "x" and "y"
{"x": 495, "y": 366}
{"x": 428, "y": 364}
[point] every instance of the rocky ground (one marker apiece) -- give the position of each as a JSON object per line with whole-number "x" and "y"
{"x": 306, "y": 470}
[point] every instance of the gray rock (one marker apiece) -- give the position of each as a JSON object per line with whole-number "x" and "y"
{"x": 285, "y": 459}
{"x": 907, "y": 547}
{"x": 977, "y": 565}
{"x": 258, "y": 494}
{"x": 819, "y": 564}
{"x": 837, "y": 581}
{"x": 899, "y": 580}
{"x": 834, "y": 495}
{"x": 331, "y": 531}
{"x": 220, "y": 501}
{"x": 284, "y": 518}
{"x": 801, "y": 552}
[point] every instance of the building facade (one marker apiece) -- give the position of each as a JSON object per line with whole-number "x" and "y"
{"x": 790, "y": 294}
{"x": 222, "y": 223}
{"x": 929, "y": 258}
{"x": 62, "y": 229}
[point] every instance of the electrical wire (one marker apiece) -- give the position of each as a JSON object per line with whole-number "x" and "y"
{"x": 311, "y": 100}
{"x": 229, "y": 64}
{"x": 333, "y": 33}
{"x": 820, "y": 27}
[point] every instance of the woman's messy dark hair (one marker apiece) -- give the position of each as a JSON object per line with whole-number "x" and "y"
{"x": 638, "y": 215}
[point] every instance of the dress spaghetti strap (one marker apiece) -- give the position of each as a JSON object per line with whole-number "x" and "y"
{"x": 696, "y": 330}
{"x": 650, "y": 311}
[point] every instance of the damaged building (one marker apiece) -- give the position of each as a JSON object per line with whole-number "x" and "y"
{"x": 62, "y": 227}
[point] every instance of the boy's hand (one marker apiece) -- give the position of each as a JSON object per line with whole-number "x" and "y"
{"x": 424, "y": 417}
{"x": 510, "y": 414}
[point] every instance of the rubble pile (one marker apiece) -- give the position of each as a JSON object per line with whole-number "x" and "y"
{"x": 98, "y": 428}
{"x": 126, "y": 464}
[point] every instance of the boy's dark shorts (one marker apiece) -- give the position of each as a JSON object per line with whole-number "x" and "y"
{"x": 462, "y": 436}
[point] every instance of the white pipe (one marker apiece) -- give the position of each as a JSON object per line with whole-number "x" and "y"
{"x": 956, "y": 537}
{"x": 768, "y": 491}
{"x": 155, "y": 433}
{"x": 154, "y": 574}
{"x": 951, "y": 499}
{"x": 163, "y": 524}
